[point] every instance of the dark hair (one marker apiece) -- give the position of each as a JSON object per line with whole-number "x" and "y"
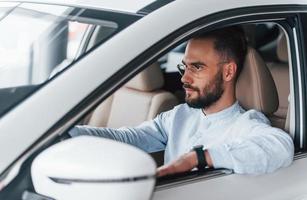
{"x": 230, "y": 43}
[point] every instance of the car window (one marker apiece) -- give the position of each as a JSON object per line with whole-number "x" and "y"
{"x": 115, "y": 111}
{"x": 37, "y": 41}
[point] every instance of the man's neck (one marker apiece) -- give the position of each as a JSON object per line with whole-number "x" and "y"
{"x": 219, "y": 105}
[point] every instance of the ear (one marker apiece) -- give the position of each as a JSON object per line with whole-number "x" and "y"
{"x": 229, "y": 71}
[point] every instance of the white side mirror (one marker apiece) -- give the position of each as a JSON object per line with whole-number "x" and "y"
{"x": 93, "y": 168}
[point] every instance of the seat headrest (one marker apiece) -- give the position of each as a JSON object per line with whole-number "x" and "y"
{"x": 147, "y": 80}
{"x": 282, "y": 50}
{"x": 255, "y": 87}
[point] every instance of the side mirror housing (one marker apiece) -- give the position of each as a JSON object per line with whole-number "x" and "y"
{"x": 88, "y": 167}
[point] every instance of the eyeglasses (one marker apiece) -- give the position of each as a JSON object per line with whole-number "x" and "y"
{"x": 194, "y": 69}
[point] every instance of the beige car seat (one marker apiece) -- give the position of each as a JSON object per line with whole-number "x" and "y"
{"x": 255, "y": 87}
{"x": 280, "y": 73}
{"x": 138, "y": 100}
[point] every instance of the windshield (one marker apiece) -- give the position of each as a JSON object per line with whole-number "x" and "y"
{"x": 37, "y": 41}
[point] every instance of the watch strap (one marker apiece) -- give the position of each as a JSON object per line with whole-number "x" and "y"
{"x": 200, "y": 153}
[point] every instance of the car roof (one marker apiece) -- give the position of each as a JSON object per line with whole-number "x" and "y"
{"x": 147, "y": 6}
{"x": 131, "y": 6}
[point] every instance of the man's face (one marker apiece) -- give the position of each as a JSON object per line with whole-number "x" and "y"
{"x": 203, "y": 77}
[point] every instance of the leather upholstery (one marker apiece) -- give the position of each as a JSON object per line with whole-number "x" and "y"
{"x": 280, "y": 73}
{"x": 282, "y": 50}
{"x": 100, "y": 116}
{"x": 255, "y": 86}
{"x": 148, "y": 80}
{"x": 139, "y": 100}
{"x": 132, "y": 107}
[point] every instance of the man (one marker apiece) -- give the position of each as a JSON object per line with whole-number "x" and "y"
{"x": 211, "y": 123}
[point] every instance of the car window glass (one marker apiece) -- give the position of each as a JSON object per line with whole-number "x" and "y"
{"x": 171, "y": 59}
{"x": 36, "y": 42}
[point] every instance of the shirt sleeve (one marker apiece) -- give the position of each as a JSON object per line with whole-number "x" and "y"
{"x": 150, "y": 136}
{"x": 261, "y": 149}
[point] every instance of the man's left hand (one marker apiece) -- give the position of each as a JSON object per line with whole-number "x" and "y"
{"x": 185, "y": 163}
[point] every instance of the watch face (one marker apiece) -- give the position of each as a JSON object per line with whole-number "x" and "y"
{"x": 198, "y": 146}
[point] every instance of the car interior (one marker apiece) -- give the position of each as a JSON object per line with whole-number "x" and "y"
{"x": 142, "y": 97}
{"x": 264, "y": 84}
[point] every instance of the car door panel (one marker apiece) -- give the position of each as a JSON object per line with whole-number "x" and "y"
{"x": 286, "y": 184}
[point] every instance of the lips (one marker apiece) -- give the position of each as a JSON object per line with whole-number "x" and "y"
{"x": 189, "y": 90}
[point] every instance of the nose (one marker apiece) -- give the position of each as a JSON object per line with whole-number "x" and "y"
{"x": 186, "y": 77}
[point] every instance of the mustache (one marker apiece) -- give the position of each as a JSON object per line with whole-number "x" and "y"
{"x": 185, "y": 86}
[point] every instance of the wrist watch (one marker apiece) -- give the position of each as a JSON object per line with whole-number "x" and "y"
{"x": 200, "y": 152}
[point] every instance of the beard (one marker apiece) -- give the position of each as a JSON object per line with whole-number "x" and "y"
{"x": 211, "y": 93}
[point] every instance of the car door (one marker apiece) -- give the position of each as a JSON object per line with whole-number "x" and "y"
{"x": 288, "y": 183}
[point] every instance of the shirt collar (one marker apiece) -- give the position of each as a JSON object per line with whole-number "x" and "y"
{"x": 229, "y": 111}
